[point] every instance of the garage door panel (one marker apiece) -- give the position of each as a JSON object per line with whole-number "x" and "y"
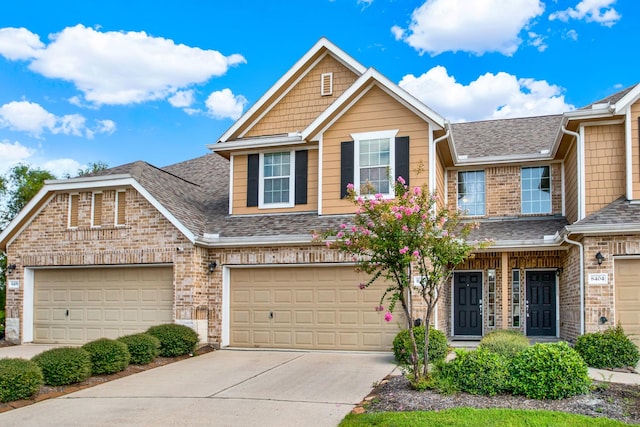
{"x": 328, "y": 310}
{"x": 627, "y": 296}
{"x": 74, "y": 306}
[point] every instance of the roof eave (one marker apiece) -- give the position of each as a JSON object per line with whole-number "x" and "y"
{"x": 251, "y": 143}
{"x": 603, "y": 228}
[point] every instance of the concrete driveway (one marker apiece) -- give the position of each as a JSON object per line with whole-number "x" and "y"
{"x": 222, "y": 388}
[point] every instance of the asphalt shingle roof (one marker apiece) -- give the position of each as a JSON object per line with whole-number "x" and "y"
{"x": 506, "y": 137}
{"x": 619, "y": 212}
{"x": 518, "y": 229}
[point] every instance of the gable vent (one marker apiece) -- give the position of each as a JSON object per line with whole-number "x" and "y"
{"x": 326, "y": 84}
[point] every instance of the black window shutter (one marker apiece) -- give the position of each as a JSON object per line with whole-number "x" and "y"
{"x": 253, "y": 177}
{"x": 346, "y": 167}
{"x": 301, "y": 177}
{"x": 402, "y": 158}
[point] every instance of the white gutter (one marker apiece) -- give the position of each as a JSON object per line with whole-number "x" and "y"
{"x": 432, "y": 156}
{"x": 573, "y": 242}
{"x": 580, "y": 169}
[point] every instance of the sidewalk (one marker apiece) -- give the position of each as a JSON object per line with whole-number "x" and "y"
{"x": 615, "y": 377}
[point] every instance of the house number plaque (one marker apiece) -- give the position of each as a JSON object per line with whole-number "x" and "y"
{"x": 598, "y": 278}
{"x": 13, "y": 284}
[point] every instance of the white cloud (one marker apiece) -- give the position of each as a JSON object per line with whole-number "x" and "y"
{"x": 19, "y": 44}
{"x": 476, "y": 26}
{"x": 572, "y": 34}
{"x": 490, "y": 96}
{"x": 182, "y": 99}
{"x": 224, "y": 104}
{"x": 599, "y": 11}
{"x": 12, "y": 154}
{"x": 122, "y": 67}
{"x": 62, "y": 167}
{"x": 33, "y": 119}
{"x": 537, "y": 41}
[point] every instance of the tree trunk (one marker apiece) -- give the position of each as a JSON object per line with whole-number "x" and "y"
{"x": 415, "y": 358}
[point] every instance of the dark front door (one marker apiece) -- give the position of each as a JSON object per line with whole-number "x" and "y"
{"x": 467, "y": 304}
{"x": 541, "y": 303}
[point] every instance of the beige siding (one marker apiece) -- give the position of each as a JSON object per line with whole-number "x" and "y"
{"x": 375, "y": 111}
{"x": 240, "y": 188}
{"x": 571, "y": 185}
{"x": 303, "y": 103}
{"x": 604, "y": 157}
{"x": 635, "y": 150}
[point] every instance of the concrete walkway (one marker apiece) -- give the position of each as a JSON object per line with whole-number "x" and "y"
{"x": 222, "y": 388}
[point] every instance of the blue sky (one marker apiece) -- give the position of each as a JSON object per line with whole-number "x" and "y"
{"x": 118, "y": 81}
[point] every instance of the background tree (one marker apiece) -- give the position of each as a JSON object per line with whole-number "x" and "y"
{"x": 93, "y": 168}
{"x": 400, "y": 238}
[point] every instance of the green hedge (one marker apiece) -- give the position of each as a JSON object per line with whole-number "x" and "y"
{"x": 438, "y": 346}
{"x": 19, "y": 379}
{"x": 144, "y": 348}
{"x": 107, "y": 356}
{"x": 549, "y": 371}
{"x": 608, "y": 349}
{"x": 476, "y": 372}
{"x": 505, "y": 342}
{"x": 64, "y": 365}
{"x": 175, "y": 340}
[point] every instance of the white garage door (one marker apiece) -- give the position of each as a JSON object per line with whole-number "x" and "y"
{"x": 308, "y": 308}
{"x": 627, "y": 277}
{"x": 74, "y": 306}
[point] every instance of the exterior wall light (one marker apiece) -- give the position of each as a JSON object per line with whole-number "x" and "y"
{"x": 11, "y": 268}
{"x": 212, "y": 266}
{"x": 599, "y": 258}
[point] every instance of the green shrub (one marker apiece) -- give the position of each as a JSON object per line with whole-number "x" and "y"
{"x": 107, "y": 356}
{"x": 608, "y": 349}
{"x": 438, "y": 346}
{"x": 477, "y": 372}
{"x": 504, "y": 342}
{"x": 64, "y": 365}
{"x": 19, "y": 379}
{"x": 175, "y": 340}
{"x": 549, "y": 371}
{"x": 144, "y": 348}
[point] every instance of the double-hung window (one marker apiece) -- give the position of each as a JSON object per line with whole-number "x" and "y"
{"x": 276, "y": 179}
{"x": 471, "y": 192}
{"x": 374, "y": 162}
{"x": 536, "y": 190}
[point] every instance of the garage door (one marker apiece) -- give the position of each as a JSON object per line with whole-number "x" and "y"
{"x": 308, "y": 308}
{"x": 627, "y": 289}
{"x": 74, "y": 306}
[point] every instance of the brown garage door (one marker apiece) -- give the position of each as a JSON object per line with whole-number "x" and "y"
{"x": 627, "y": 289}
{"x": 308, "y": 308}
{"x": 74, "y": 306}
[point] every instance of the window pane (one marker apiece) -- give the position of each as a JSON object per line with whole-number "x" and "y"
{"x": 536, "y": 190}
{"x": 375, "y": 162}
{"x": 276, "y": 174}
{"x": 471, "y": 192}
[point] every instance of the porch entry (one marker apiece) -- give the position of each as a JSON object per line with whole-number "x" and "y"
{"x": 540, "y": 304}
{"x": 467, "y": 304}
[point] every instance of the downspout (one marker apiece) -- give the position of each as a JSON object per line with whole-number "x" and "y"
{"x": 432, "y": 159}
{"x": 579, "y": 167}
{"x": 580, "y": 213}
{"x": 579, "y": 245}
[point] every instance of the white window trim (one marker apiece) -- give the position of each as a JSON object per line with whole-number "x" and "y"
{"x": 69, "y": 210}
{"x": 550, "y": 192}
{"x": 363, "y": 136}
{"x": 292, "y": 169}
{"x": 117, "y": 208}
{"x": 93, "y": 208}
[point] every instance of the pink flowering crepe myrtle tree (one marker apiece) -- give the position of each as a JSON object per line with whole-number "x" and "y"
{"x": 396, "y": 238}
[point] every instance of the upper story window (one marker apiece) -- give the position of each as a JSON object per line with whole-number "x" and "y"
{"x": 374, "y": 157}
{"x": 74, "y": 200}
{"x": 276, "y": 179}
{"x": 471, "y": 192}
{"x": 96, "y": 210}
{"x": 536, "y": 190}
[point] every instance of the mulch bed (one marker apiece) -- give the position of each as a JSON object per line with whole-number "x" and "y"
{"x": 50, "y": 392}
{"x": 609, "y": 400}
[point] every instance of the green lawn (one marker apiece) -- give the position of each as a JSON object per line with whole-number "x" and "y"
{"x": 476, "y": 417}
